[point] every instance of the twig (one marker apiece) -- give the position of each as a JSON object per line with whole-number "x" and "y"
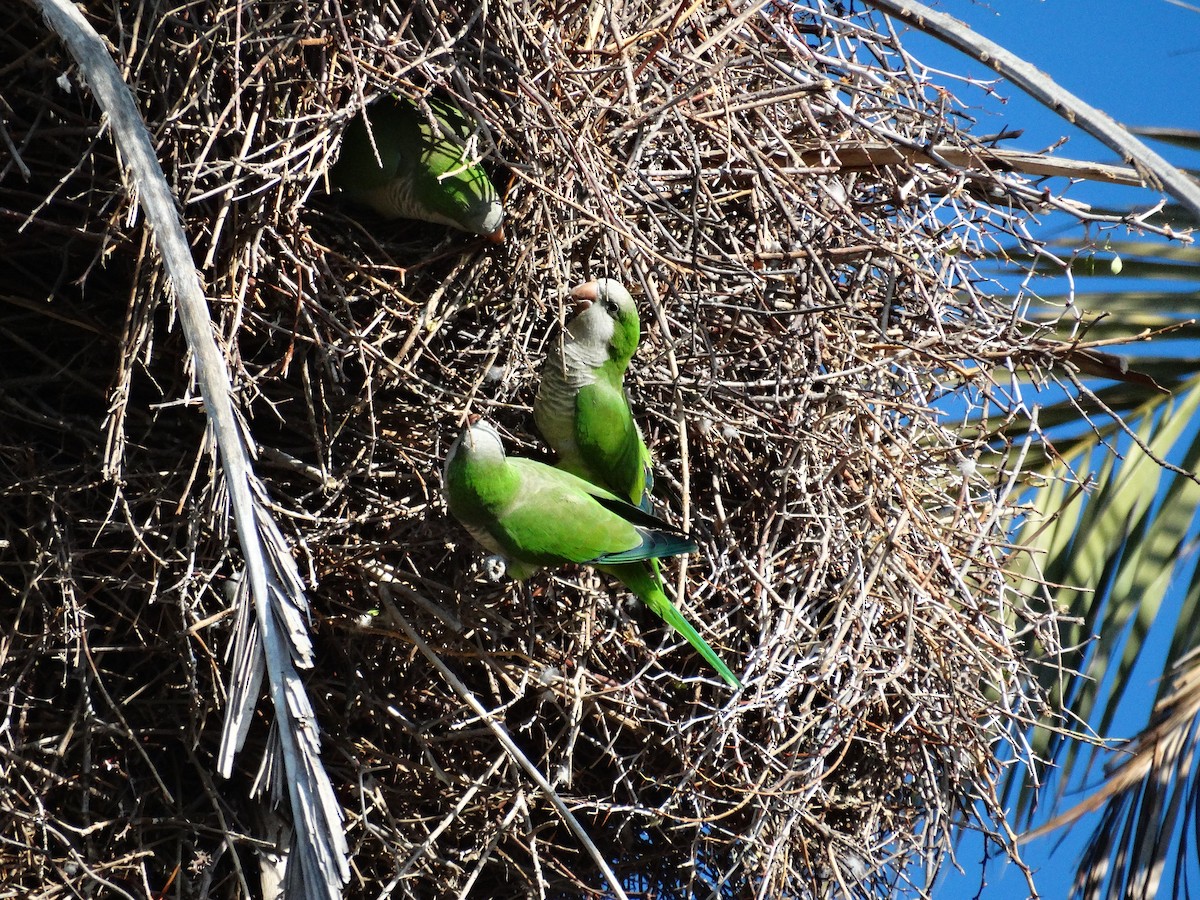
{"x": 501, "y": 733}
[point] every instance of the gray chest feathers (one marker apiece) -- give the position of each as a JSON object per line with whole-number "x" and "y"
{"x": 562, "y": 378}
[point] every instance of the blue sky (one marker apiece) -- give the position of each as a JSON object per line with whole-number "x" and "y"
{"x": 1138, "y": 60}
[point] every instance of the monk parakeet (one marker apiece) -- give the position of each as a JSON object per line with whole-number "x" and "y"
{"x": 424, "y": 175}
{"x": 534, "y": 515}
{"x": 583, "y": 412}
{"x": 581, "y": 408}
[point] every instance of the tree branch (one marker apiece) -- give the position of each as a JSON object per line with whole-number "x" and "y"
{"x": 1157, "y": 172}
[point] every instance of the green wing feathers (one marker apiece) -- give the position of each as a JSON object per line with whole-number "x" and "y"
{"x": 556, "y": 517}
{"x": 610, "y": 443}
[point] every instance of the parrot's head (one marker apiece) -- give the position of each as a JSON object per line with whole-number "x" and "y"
{"x": 606, "y": 316}
{"x": 477, "y": 477}
{"x": 479, "y": 442}
{"x": 486, "y": 217}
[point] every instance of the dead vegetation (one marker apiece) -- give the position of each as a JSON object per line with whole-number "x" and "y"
{"x": 802, "y": 319}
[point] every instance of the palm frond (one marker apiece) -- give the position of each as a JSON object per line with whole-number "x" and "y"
{"x": 1116, "y": 537}
{"x": 277, "y": 642}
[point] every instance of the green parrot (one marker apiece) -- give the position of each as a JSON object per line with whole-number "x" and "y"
{"x": 423, "y": 175}
{"x": 583, "y": 412}
{"x": 582, "y": 409}
{"x": 534, "y": 515}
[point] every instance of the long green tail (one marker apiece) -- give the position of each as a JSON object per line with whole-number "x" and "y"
{"x": 644, "y": 580}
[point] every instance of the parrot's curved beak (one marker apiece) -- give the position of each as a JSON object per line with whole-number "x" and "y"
{"x": 584, "y": 295}
{"x": 497, "y": 236}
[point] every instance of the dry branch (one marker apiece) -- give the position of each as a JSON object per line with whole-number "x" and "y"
{"x": 1155, "y": 170}
{"x": 982, "y": 159}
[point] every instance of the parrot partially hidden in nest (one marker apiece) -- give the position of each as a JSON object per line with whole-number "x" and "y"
{"x": 582, "y": 410}
{"x": 418, "y": 173}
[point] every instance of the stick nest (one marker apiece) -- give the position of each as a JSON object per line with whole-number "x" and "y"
{"x": 804, "y": 321}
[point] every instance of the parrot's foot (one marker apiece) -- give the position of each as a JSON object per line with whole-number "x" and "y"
{"x": 495, "y": 567}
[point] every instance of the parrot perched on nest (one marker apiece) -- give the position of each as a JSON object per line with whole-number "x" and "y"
{"x": 582, "y": 409}
{"x": 583, "y": 412}
{"x": 534, "y": 515}
{"x": 424, "y": 175}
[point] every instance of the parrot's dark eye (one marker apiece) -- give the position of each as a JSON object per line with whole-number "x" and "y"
{"x": 611, "y": 307}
